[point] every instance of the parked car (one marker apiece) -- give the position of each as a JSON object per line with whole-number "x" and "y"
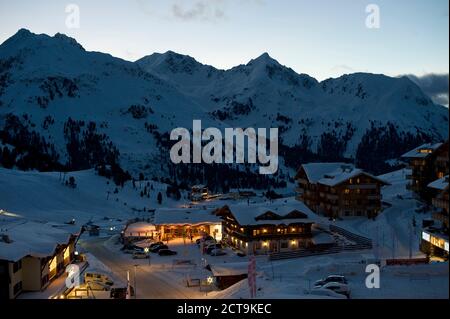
{"x": 328, "y": 293}
{"x": 211, "y": 247}
{"x": 206, "y": 238}
{"x": 217, "y": 252}
{"x": 90, "y": 277}
{"x": 332, "y": 278}
{"x": 140, "y": 255}
{"x": 128, "y": 250}
{"x": 157, "y": 248}
{"x": 336, "y": 287}
{"x": 156, "y": 244}
{"x": 166, "y": 252}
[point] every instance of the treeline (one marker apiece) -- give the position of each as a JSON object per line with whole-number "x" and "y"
{"x": 26, "y": 149}
{"x": 382, "y": 143}
{"x": 379, "y": 144}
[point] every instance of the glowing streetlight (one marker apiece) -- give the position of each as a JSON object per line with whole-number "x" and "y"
{"x": 147, "y": 251}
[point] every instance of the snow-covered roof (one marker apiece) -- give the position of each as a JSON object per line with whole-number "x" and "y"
{"x": 139, "y": 227}
{"x": 30, "y": 238}
{"x": 332, "y": 174}
{"x": 229, "y": 269}
{"x": 422, "y": 151}
{"x": 248, "y": 215}
{"x": 175, "y": 216}
{"x": 316, "y": 171}
{"x": 440, "y": 184}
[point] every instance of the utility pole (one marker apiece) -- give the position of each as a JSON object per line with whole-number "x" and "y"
{"x": 410, "y": 241}
{"x": 135, "y": 288}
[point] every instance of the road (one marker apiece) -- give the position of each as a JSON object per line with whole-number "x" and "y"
{"x": 150, "y": 283}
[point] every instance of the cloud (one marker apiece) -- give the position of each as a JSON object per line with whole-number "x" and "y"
{"x": 434, "y": 85}
{"x": 192, "y": 10}
{"x": 199, "y": 10}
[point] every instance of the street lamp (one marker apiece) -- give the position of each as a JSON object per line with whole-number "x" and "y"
{"x": 147, "y": 251}
{"x": 135, "y": 288}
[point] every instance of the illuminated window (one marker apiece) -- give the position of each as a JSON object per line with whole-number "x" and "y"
{"x": 347, "y": 191}
{"x": 52, "y": 265}
{"x": 66, "y": 253}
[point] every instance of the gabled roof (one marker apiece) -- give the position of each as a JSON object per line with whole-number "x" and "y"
{"x": 339, "y": 177}
{"x": 284, "y": 213}
{"x": 177, "y": 216}
{"x": 422, "y": 151}
{"x": 332, "y": 174}
{"x": 440, "y": 184}
{"x": 229, "y": 269}
{"x": 316, "y": 171}
{"x": 30, "y": 238}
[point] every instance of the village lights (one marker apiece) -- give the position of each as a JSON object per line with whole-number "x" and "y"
{"x": 265, "y": 244}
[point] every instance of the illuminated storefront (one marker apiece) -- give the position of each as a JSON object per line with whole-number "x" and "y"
{"x": 434, "y": 245}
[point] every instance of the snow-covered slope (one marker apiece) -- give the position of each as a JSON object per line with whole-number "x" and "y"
{"x": 54, "y": 77}
{"x": 49, "y": 83}
{"x": 45, "y": 197}
{"x": 265, "y": 93}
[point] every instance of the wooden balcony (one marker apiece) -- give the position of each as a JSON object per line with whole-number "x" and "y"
{"x": 440, "y": 203}
{"x": 440, "y": 216}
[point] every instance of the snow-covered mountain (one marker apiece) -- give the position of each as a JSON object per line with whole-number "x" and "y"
{"x": 265, "y": 93}
{"x": 89, "y": 107}
{"x": 51, "y": 79}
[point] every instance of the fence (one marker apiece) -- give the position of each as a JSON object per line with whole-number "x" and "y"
{"x": 361, "y": 243}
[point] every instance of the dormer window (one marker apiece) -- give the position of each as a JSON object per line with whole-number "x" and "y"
{"x": 425, "y": 151}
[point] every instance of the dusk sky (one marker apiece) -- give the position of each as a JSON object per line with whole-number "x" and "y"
{"x": 324, "y": 38}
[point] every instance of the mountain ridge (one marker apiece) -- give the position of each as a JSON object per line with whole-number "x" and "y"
{"x": 134, "y": 105}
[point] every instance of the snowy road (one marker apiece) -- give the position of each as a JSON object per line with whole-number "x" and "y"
{"x": 151, "y": 283}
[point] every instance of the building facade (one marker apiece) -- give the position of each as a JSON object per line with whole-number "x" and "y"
{"x": 339, "y": 190}
{"x": 427, "y": 162}
{"x": 435, "y": 241}
{"x": 28, "y": 262}
{"x": 263, "y": 229}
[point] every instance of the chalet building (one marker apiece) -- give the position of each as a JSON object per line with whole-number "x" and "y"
{"x": 198, "y": 193}
{"x": 428, "y": 162}
{"x": 339, "y": 190}
{"x": 137, "y": 231}
{"x": 227, "y": 274}
{"x": 267, "y": 228}
{"x": 435, "y": 238}
{"x": 30, "y": 261}
{"x": 187, "y": 223}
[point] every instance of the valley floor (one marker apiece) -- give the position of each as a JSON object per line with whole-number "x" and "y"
{"x": 43, "y": 197}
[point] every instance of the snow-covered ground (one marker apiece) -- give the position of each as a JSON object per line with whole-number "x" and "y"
{"x": 42, "y": 197}
{"x": 393, "y": 233}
